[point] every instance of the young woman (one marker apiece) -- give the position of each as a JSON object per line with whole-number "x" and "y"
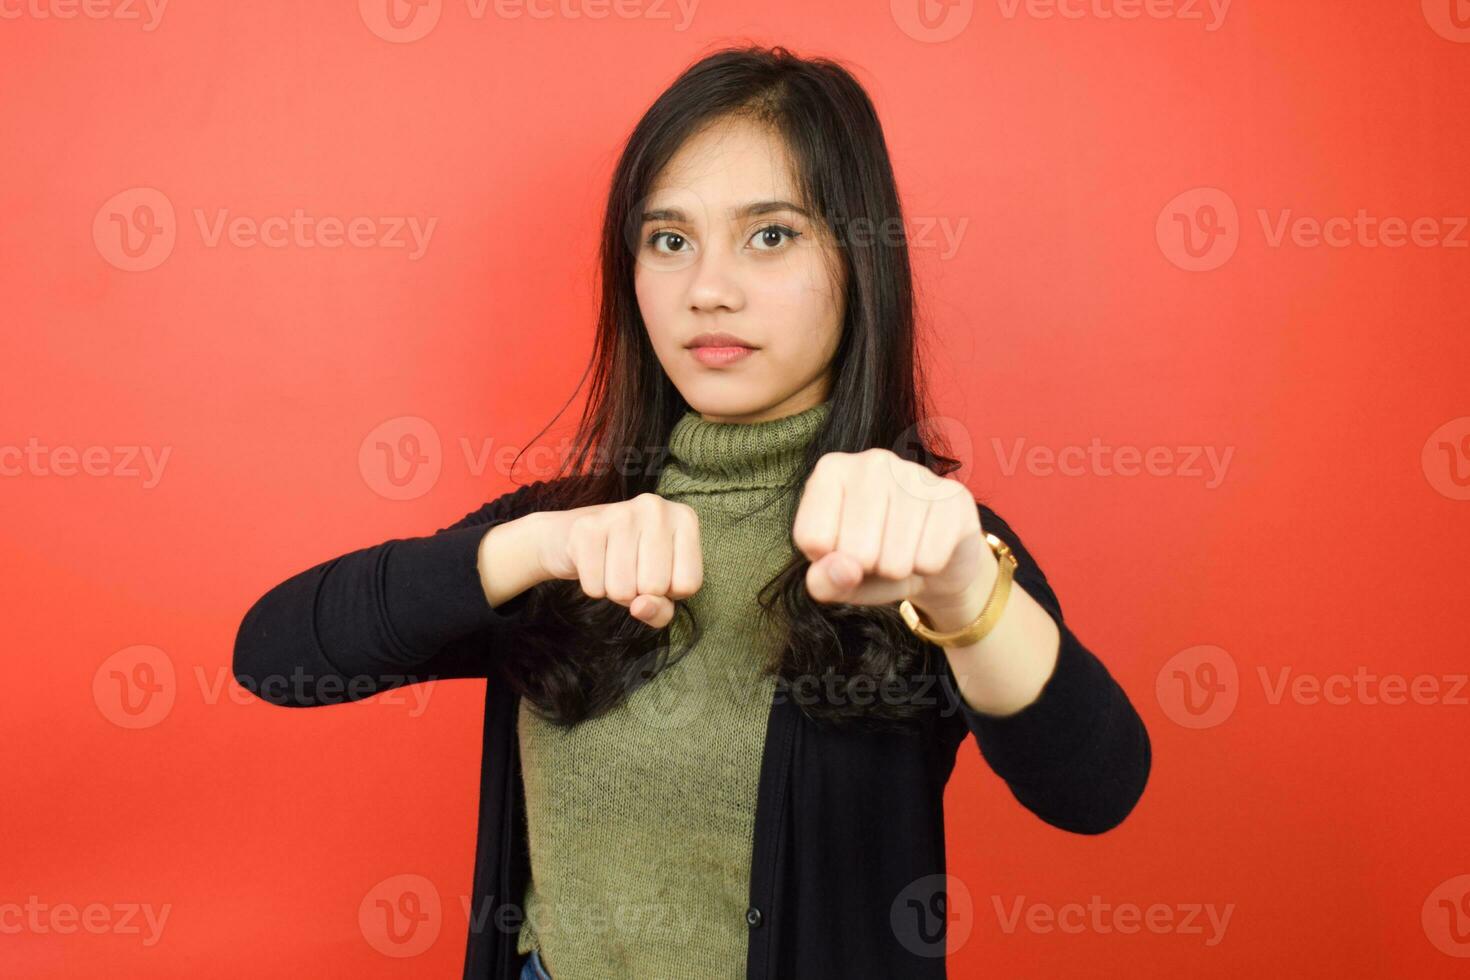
{"x": 733, "y": 645}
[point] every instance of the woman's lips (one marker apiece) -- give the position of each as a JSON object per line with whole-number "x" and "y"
{"x": 720, "y": 356}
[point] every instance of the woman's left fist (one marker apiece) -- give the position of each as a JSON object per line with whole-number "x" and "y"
{"x": 878, "y": 528}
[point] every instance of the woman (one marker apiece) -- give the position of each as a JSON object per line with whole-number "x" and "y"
{"x": 734, "y": 644}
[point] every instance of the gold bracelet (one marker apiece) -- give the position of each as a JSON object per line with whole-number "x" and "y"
{"x": 989, "y": 614}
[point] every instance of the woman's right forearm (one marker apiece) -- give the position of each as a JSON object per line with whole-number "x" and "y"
{"x": 401, "y": 611}
{"x": 509, "y": 558}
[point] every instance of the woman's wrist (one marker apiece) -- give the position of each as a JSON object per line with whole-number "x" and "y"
{"x": 509, "y": 559}
{"x": 952, "y": 613}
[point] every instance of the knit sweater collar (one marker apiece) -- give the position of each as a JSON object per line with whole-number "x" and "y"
{"x": 719, "y": 456}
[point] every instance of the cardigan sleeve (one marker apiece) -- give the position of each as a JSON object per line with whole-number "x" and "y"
{"x": 1078, "y": 756}
{"x": 400, "y": 612}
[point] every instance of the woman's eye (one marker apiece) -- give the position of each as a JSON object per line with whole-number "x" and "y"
{"x": 770, "y": 238}
{"x": 676, "y": 240}
{"x": 772, "y": 235}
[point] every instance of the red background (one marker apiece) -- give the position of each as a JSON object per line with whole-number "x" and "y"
{"x": 1335, "y": 541}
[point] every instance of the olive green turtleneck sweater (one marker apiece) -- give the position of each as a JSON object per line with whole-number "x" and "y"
{"x": 641, "y": 822}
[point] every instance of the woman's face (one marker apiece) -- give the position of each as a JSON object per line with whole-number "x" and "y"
{"x": 725, "y": 248}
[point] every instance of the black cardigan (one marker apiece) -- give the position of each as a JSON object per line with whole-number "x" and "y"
{"x": 849, "y": 852}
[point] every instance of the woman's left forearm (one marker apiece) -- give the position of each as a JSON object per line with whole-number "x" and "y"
{"x": 1006, "y": 670}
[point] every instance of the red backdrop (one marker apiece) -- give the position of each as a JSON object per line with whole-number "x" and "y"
{"x": 1196, "y": 279}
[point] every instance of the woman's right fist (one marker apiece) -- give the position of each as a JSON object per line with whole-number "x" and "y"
{"x": 641, "y": 553}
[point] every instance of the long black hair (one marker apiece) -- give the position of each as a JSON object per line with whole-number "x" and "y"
{"x": 580, "y": 657}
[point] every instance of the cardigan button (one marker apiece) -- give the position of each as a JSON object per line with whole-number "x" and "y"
{"x": 753, "y": 917}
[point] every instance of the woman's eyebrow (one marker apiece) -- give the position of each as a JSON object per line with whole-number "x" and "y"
{"x": 738, "y": 211}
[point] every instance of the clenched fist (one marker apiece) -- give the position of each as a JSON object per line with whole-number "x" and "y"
{"x": 641, "y": 553}
{"x": 878, "y": 528}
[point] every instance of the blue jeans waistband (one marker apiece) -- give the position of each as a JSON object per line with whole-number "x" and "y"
{"x": 533, "y": 970}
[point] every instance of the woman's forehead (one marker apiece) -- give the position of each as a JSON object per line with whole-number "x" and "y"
{"x": 730, "y": 167}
